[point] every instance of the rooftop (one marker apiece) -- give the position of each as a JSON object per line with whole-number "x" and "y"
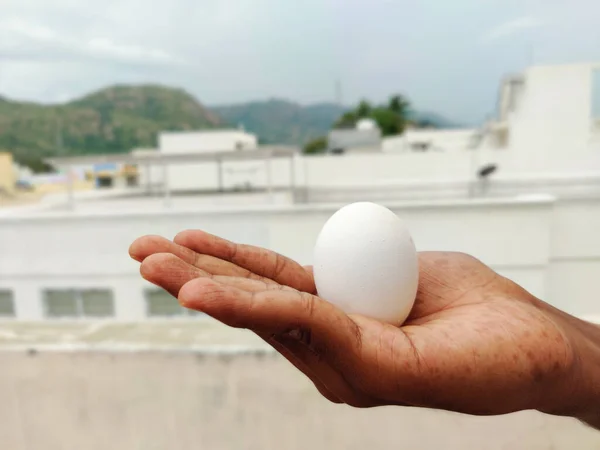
{"x": 152, "y": 157}
{"x": 199, "y": 335}
{"x": 130, "y": 204}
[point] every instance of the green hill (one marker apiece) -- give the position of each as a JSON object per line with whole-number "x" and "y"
{"x": 279, "y": 121}
{"x": 112, "y": 120}
{"x": 119, "y": 118}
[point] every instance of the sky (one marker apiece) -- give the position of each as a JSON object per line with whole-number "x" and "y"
{"x": 446, "y": 56}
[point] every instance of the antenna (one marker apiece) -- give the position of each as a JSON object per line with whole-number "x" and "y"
{"x": 338, "y": 93}
{"x": 531, "y": 55}
{"x": 59, "y": 137}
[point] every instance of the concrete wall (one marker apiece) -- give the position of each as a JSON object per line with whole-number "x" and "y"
{"x": 439, "y": 140}
{"x": 314, "y": 171}
{"x": 374, "y": 168}
{"x": 167, "y": 401}
{"x": 575, "y": 251}
{"x": 549, "y": 248}
{"x": 553, "y": 114}
{"x": 206, "y": 141}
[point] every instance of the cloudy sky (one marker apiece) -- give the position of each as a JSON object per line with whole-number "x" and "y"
{"x": 445, "y": 55}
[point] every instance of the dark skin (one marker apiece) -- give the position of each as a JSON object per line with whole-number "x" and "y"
{"x": 475, "y": 342}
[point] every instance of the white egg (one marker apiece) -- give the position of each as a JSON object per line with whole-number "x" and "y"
{"x": 366, "y": 263}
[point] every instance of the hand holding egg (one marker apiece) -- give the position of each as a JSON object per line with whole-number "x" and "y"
{"x": 476, "y": 343}
{"x": 366, "y": 263}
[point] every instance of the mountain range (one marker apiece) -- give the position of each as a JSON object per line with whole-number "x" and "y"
{"x": 119, "y": 118}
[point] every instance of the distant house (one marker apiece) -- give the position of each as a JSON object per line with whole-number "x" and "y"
{"x": 424, "y": 140}
{"x": 206, "y": 141}
{"x": 364, "y": 138}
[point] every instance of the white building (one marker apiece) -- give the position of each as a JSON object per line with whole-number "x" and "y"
{"x": 534, "y": 219}
{"x": 426, "y": 140}
{"x": 213, "y": 171}
{"x": 365, "y": 137}
{"x": 206, "y": 141}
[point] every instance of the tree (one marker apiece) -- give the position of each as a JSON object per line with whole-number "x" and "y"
{"x": 392, "y": 118}
{"x": 315, "y": 146}
{"x": 35, "y": 163}
{"x": 399, "y": 105}
{"x": 364, "y": 110}
{"x": 389, "y": 122}
{"x": 348, "y": 120}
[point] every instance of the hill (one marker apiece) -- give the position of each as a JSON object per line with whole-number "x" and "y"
{"x": 278, "y": 121}
{"x": 119, "y": 118}
{"x": 429, "y": 119}
{"x": 111, "y": 120}
{"x": 285, "y": 122}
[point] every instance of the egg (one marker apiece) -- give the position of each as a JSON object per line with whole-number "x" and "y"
{"x": 365, "y": 262}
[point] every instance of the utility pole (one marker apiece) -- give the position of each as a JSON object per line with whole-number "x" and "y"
{"x": 338, "y": 93}
{"x": 60, "y": 151}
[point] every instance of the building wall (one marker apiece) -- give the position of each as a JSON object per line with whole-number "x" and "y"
{"x": 7, "y": 173}
{"x": 166, "y": 401}
{"x": 314, "y": 171}
{"x": 439, "y": 140}
{"x": 542, "y": 245}
{"x": 347, "y": 139}
{"x": 206, "y": 141}
{"x": 554, "y": 114}
{"x": 367, "y": 168}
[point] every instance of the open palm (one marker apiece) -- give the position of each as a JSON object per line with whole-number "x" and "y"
{"x": 474, "y": 343}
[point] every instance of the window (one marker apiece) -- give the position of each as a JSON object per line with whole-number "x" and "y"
{"x": 73, "y": 303}
{"x": 7, "y": 304}
{"x": 104, "y": 182}
{"x": 160, "y": 303}
{"x": 97, "y": 303}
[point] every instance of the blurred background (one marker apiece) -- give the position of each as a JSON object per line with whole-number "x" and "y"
{"x": 476, "y": 122}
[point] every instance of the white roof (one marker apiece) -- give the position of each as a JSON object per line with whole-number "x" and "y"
{"x": 172, "y": 158}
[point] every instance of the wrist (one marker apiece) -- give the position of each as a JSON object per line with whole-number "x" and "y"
{"x": 579, "y": 393}
{"x": 589, "y": 359}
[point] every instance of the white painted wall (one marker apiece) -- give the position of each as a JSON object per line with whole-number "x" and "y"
{"x": 425, "y": 171}
{"x": 316, "y": 171}
{"x": 550, "y": 248}
{"x": 206, "y": 141}
{"x": 551, "y": 126}
{"x": 170, "y": 400}
{"x": 439, "y": 140}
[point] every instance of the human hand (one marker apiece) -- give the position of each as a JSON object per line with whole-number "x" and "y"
{"x": 474, "y": 343}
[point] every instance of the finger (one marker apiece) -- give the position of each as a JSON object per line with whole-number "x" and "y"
{"x": 334, "y": 335}
{"x": 268, "y": 315}
{"x": 257, "y": 260}
{"x": 169, "y": 272}
{"x": 146, "y": 246}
